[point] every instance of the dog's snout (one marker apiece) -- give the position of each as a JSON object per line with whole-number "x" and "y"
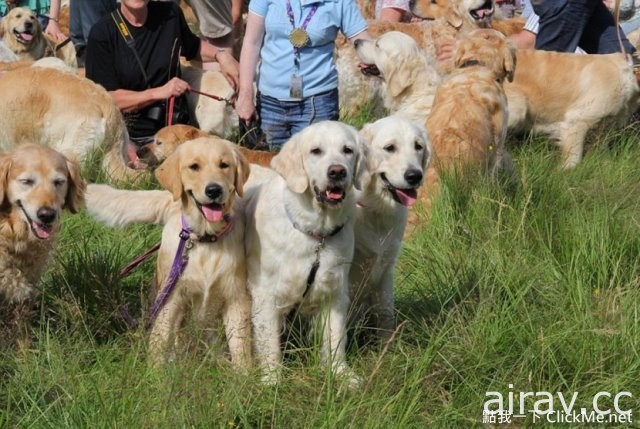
{"x": 413, "y": 176}
{"x": 213, "y": 191}
{"x": 46, "y": 214}
{"x": 336, "y": 172}
{"x": 28, "y": 25}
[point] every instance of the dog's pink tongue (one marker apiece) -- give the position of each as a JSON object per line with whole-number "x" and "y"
{"x": 335, "y": 195}
{"x": 26, "y": 36}
{"x": 212, "y": 212}
{"x": 482, "y": 12}
{"x": 407, "y": 197}
{"x": 41, "y": 232}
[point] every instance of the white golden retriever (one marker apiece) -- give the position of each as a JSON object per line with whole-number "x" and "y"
{"x": 398, "y": 152}
{"x": 299, "y": 241}
{"x": 409, "y": 76}
{"x": 201, "y": 178}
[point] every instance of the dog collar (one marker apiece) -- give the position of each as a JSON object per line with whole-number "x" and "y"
{"x": 470, "y": 63}
{"x": 321, "y": 239}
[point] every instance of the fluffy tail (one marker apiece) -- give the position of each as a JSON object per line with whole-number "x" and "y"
{"x": 116, "y": 207}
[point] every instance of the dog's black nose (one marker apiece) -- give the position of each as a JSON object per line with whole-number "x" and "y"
{"x": 413, "y": 176}
{"x": 357, "y": 43}
{"x": 46, "y": 214}
{"x": 28, "y": 25}
{"x": 213, "y": 191}
{"x": 337, "y": 172}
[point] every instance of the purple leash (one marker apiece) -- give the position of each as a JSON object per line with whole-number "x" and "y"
{"x": 179, "y": 264}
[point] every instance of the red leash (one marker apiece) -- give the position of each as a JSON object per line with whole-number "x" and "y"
{"x": 230, "y": 102}
{"x": 140, "y": 259}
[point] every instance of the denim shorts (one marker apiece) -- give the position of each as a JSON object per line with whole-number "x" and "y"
{"x": 280, "y": 119}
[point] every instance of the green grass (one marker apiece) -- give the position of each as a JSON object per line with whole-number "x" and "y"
{"x": 534, "y": 284}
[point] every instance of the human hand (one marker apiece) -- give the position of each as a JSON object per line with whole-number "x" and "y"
{"x": 245, "y": 109}
{"x": 444, "y": 52}
{"x": 229, "y": 67}
{"x": 174, "y": 88}
{"x": 53, "y": 30}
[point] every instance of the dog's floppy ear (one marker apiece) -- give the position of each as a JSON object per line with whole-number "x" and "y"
{"x": 168, "y": 174}
{"x": 402, "y": 74}
{"x": 361, "y": 176}
{"x": 289, "y": 164}
{"x": 453, "y": 18}
{"x": 242, "y": 170}
{"x": 192, "y": 133}
{"x": 427, "y": 155}
{"x": 509, "y": 61}
{"x": 74, "y": 200}
{"x": 368, "y": 162}
{"x": 5, "y": 167}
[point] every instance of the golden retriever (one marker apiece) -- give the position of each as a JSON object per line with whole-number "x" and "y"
{"x": 451, "y": 19}
{"x": 201, "y": 178}
{"x": 409, "y": 77}
{"x": 23, "y": 34}
{"x": 398, "y": 153}
{"x": 468, "y": 120}
{"x": 563, "y": 96}
{"x": 299, "y": 242}
{"x": 36, "y": 184}
{"x": 68, "y": 113}
{"x": 211, "y": 115}
{"x": 167, "y": 139}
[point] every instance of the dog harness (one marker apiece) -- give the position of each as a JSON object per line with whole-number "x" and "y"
{"x": 187, "y": 241}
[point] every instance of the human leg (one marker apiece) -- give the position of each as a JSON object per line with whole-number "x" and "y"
{"x": 215, "y": 20}
{"x": 273, "y": 121}
{"x": 562, "y": 23}
{"x": 601, "y": 36}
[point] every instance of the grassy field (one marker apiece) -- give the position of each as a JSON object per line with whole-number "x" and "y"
{"x": 534, "y": 284}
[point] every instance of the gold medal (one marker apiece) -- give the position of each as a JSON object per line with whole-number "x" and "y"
{"x": 299, "y": 38}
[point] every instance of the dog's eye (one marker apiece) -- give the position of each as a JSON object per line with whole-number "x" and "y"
{"x": 159, "y": 143}
{"x": 59, "y": 182}
{"x": 347, "y": 150}
{"x": 223, "y": 165}
{"x": 194, "y": 167}
{"x": 418, "y": 146}
{"x": 316, "y": 151}
{"x": 391, "y": 148}
{"x": 27, "y": 182}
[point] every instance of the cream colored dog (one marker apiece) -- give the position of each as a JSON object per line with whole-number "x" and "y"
{"x": 36, "y": 184}
{"x": 409, "y": 78}
{"x": 211, "y": 115}
{"x": 299, "y": 241}
{"x": 68, "y": 113}
{"x": 202, "y": 178}
{"x": 398, "y": 152}
{"x": 563, "y": 96}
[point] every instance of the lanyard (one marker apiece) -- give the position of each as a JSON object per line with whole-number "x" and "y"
{"x": 299, "y": 36}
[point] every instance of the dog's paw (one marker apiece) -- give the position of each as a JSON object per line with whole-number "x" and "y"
{"x": 21, "y": 294}
{"x": 345, "y": 373}
{"x": 271, "y": 376}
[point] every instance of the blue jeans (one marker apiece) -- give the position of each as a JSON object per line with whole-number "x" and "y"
{"x": 280, "y": 119}
{"x": 566, "y": 24}
{"x": 83, "y": 14}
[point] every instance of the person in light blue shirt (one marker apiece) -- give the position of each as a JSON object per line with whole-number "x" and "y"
{"x": 293, "y": 40}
